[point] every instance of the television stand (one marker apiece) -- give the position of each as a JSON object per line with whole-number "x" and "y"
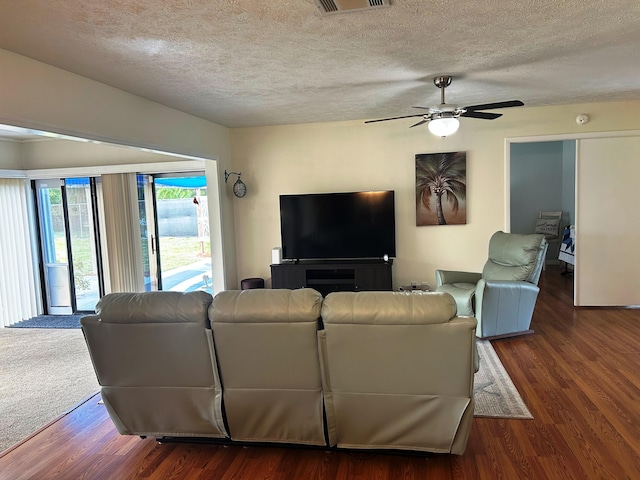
{"x": 328, "y": 276}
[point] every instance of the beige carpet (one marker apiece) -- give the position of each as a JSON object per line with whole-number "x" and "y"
{"x": 43, "y": 373}
{"x": 493, "y": 390}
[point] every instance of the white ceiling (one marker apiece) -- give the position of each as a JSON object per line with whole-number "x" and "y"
{"x": 242, "y": 63}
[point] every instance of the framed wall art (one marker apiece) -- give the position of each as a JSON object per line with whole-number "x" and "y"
{"x": 441, "y": 188}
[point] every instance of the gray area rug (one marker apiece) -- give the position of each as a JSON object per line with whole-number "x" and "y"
{"x": 43, "y": 374}
{"x": 493, "y": 391}
{"x": 50, "y": 321}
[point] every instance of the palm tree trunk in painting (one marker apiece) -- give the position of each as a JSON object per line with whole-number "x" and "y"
{"x": 443, "y": 176}
{"x": 439, "y": 211}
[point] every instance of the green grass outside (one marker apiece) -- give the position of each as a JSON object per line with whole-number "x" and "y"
{"x": 180, "y": 251}
{"x": 175, "y": 252}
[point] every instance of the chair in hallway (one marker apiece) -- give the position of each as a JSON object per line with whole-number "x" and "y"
{"x": 548, "y": 224}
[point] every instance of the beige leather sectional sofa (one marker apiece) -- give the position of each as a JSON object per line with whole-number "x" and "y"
{"x": 367, "y": 370}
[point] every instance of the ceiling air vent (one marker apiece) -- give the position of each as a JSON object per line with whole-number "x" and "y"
{"x": 341, "y": 6}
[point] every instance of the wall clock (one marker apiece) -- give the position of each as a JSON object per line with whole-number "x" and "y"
{"x": 239, "y": 188}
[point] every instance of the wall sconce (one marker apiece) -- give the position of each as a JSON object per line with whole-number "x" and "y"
{"x": 239, "y": 188}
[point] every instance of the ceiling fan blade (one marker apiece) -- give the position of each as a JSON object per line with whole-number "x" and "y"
{"x": 482, "y": 115}
{"x": 394, "y": 118}
{"x": 419, "y": 123}
{"x": 490, "y": 106}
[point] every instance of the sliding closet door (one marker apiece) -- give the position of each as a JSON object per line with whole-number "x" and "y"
{"x": 608, "y": 230}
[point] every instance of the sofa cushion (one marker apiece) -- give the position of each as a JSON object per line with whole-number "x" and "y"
{"x": 388, "y": 308}
{"x": 512, "y": 256}
{"x": 267, "y": 350}
{"x": 397, "y": 371}
{"x": 154, "y": 307}
{"x": 266, "y": 306}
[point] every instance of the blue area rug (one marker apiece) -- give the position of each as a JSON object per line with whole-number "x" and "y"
{"x": 50, "y": 321}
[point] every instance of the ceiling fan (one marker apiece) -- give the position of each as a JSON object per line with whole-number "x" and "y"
{"x": 443, "y": 119}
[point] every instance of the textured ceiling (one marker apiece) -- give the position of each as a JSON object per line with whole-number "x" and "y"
{"x": 253, "y": 62}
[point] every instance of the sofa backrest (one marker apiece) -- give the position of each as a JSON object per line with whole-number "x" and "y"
{"x": 390, "y": 370}
{"x": 514, "y": 256}
{"x": 268, "y": 358}
{"x": 154, "y": 307}
{"x": 398, "y": 370}
{"x": 153, "y": 356}
{"x": 388, "y": 308}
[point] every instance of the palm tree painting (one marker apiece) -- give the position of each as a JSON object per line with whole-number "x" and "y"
{"x": 441, "y": 188}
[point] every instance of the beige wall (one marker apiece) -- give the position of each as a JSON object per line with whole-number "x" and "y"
{"x": 10, "y": 155}
{"x": 56, "y": 153}
{"x": 38, "y": 96}
{"x": 351, "y": 156}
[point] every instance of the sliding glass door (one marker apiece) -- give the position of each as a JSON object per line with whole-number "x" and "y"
{"x": 174, "y": 226}
{"x": 83, "y": 243}
{"x": 174, "y": 238}
{"x": 69, "y": 245}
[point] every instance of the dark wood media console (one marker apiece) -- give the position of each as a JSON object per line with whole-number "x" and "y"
{"x": 333, "y": 276}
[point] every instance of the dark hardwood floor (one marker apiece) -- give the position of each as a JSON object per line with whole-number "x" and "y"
{"x": 579, "y": 374}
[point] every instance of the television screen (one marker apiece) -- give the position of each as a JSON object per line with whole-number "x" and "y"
{"x": 338, "y": 225}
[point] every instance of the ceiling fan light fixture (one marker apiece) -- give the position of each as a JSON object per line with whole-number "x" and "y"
{"x": 443, "y": 127}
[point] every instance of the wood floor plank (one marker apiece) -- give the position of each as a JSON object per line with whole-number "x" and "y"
{"x": 578, "y": 374}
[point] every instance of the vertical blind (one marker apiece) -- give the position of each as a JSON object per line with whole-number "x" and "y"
{"x": 122, "y": 232}
{"x": 18, "y": 284}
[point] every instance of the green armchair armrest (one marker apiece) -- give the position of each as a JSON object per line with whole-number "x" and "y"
{"x": 461, "y": 286}
{"x": 452, "y": 276}
{"x": 504, "y": 307}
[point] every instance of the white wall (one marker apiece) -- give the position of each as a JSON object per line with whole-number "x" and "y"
{"x": 39, "y": 96}
{"x": 347, "y": 156}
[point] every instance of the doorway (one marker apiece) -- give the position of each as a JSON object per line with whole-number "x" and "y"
{"x": 69, "y": 244}
{"x": 174, "y": 227}
{"x": 542, "y": 179}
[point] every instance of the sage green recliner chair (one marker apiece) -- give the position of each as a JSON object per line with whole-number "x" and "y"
{"x": 503, "y": 296}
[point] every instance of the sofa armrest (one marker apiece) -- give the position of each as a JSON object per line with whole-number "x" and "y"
{"x": 451, "y": 276}
{"x": 504, "y": 307}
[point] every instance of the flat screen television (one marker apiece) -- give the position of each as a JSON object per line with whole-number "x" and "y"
{"x": 351, "y": 225}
